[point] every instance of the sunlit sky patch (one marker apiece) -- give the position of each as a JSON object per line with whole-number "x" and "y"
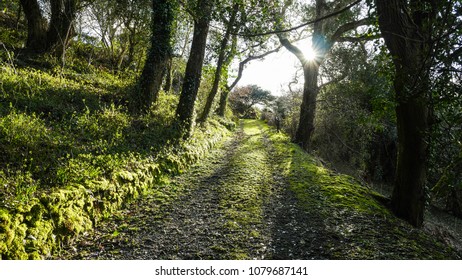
{"x": 276, "y": 71}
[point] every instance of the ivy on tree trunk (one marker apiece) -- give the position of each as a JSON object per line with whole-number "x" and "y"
{"x": 159, "y": 55}
{"x": 192, "y": 79}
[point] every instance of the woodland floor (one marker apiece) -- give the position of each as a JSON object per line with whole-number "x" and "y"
{"x": 236, "y": 203}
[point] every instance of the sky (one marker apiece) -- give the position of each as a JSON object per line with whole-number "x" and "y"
{"x": 276, "y": 71}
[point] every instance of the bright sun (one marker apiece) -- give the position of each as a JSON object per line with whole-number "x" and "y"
{"x": 305, "y": 47}
{"x": 277, "y": 70}
{"x": 310, "y": 54}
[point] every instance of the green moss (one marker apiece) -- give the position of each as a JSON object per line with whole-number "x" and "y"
{"x": 247, "y": 190}
{"x": 5, "y": 219}
{"x": 239, "y": 255}
{"x": 315, "y": 184}
{"x": 358, "y": 226}
{"x": 62, "y": 215}
{"x": 35, "y": 214}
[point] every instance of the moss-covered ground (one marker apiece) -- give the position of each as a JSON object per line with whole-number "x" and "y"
{"x": 257, "y": 196}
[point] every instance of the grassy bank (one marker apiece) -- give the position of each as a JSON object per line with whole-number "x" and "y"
{"x": 70, "y": 154}
{"x": 352, "y": 221}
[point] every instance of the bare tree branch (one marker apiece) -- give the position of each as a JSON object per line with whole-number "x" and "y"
{"x": 291, "y": 47}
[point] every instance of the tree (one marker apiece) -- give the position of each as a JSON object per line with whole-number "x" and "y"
{"x": 355, "y": 121}
{"x": 408, "y": 41}
{"x": 62, "y": 22}
{"x": 251, "y": 17}
{"x": 124, "y": 28}
{"x": 54, "y": 36}
{"x": 36, "y": 26}
{"x": 192, "y": 79}
{"x": 409, "y": 32}
{"x": 242, "y": 99}
{"x": 229, "y": 87}
{"x": 221, "y": 63}
{"x": 159, "y": 54}
{"x": 326, "y": 32}
{"x": 135, "y": 17}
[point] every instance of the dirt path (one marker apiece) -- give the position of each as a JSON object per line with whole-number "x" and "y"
{"x": 237, "y": 203}
{"x": 231, "y": 205}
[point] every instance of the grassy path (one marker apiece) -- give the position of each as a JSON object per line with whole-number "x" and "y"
{"x": 256, "y": 197}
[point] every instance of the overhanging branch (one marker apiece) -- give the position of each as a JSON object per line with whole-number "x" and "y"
{"x": 291, "y": 48}
{"x": 350, "y": 26}
{"x": 247, "y": 60}
{"x": 358, "y": 39}
{"x": 313, "y": 21}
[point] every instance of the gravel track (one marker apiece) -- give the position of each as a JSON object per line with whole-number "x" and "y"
{"x": 195, "y": 224}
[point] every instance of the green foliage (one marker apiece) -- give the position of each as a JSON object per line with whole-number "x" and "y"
{"x": 24, "y": 131}
{"x": 355, "y": 121}
{"x": 27, "y": 146}
{"x": 16, "y": 186}
{"x": 285, "y": 112}
{"x": 208, "y": 72}
{"x": 106, "y": 127}
{"x": 446, "y": 146}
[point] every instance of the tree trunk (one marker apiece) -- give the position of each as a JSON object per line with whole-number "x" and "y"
{"x": 159, "y": 54}
{"x": 310, "y": 86}
{"x": 192, "y": 79}
{"x": 61, "y": 28}
{"x": 131, "y": 48}
{"x": 223, "y": 101}
{"x": 408, "y": 199}
{"x": 55, "y": 36}
{"x": 322, "y": 43}
{"x": 36, "y": 26}
{"x": 407, "y": 32}
{"x": 220, "y": 65}
{"x": 308, "y": 107}
{"x": 321, "y": 47}
{"x": 168, "y": 75}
